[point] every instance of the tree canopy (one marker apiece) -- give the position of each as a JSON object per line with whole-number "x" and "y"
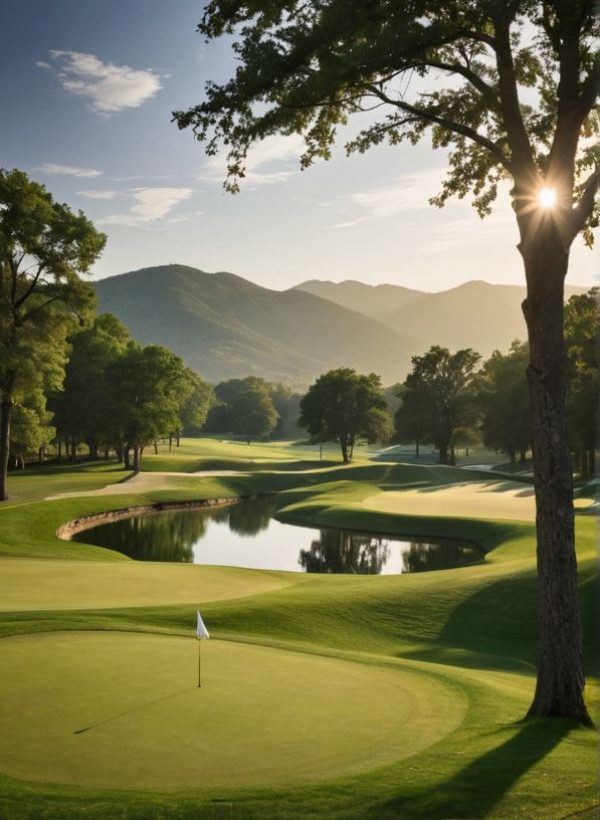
{"x": 502, "y": 386}
{"x": 439, "y": 398}
{"x": 44, "y": 247}
{"x": 347, "y": 407}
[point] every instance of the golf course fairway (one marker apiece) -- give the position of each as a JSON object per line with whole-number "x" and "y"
{"x": 349, "y": 697}
{"x": 262, "y": 715}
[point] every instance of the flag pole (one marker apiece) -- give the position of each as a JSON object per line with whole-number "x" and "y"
{"x": 199, "y": 678}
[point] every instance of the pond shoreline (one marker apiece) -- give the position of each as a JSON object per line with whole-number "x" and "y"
{"x": 67, "y": 530}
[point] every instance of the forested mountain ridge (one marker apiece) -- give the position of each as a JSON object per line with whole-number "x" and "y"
{"x": 224, "y": 326}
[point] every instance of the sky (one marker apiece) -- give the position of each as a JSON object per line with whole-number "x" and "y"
{"x": 87, "y": 96}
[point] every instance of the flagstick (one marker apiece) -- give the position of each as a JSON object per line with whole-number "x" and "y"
{"x": 199, "y": 679}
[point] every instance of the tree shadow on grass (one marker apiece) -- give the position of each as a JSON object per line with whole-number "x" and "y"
{"x": 476, "y": 789}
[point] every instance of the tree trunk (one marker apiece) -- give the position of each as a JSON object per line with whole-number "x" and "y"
{"x": 344, "y": 448}
{"x": 592, "y": 463}
{"x": 59, "y": 445}
{"x": 170, "y": 441}
{"x": 93, "y": 448}
{"x": 5, "y": 418}
{"x": 73, "y": 455}
{"x": 126, "y": 457}
{"x": 443, "y": 453}
{"x": 417, "y": 449}
{"x": 155, "y": 447}
{"x": 560, "y": 676}
{"x": 136, "y": 458}
{"x": 40, "y": 455}
{"x": 179, "y": 439}
{"x": 523, "y": 456}
{"x": 513, "y": 456}
{"x": 452, "y": 456}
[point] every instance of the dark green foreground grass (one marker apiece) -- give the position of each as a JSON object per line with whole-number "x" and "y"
{"x": 471, "y": 628}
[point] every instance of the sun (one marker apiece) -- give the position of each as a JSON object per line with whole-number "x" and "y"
{"x": 547, "y": 197}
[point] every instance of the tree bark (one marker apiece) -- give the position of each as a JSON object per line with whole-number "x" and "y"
{"x": 5, "y": 418}
{"x": 126, "y": 457}
{"x": 560, "y": 676}
{"x": 523, "y": 456}
{"x": 136, "y": 458}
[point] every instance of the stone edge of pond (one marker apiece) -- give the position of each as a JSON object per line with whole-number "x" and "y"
{"x": 66, "y": 531}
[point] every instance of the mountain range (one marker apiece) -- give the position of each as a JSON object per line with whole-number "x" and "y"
{"x": 224, "y": 326}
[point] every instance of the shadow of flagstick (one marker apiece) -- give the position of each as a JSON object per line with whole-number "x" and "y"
{"x": 134, "y": 709}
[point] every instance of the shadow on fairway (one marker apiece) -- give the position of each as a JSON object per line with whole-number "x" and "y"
{"x": 133, "y": 709}
{"x": 464, "y": 795}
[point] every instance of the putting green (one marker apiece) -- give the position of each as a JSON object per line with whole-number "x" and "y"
{"x": 473, "y": 499}
{"x": 263, "y": 716}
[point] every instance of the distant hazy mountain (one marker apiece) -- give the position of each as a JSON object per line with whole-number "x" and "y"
{"x": 373, "y": 300}
{"x": 478, "y": 315}
{"x": 224, "y": 326}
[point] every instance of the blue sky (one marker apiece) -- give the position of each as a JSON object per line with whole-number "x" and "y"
{"x": 87, "y": 94}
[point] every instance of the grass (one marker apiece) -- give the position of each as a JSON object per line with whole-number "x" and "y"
{"x": 332, "y": 696}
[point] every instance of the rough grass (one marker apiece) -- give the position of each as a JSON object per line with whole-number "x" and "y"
{"x": 468, "y": 633}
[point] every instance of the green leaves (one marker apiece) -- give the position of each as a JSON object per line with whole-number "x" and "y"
{"x": 510, "y": 87}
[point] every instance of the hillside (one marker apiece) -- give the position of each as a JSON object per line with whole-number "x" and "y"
{"x": 476, "y": 314}
{"x": 224, "y": 326}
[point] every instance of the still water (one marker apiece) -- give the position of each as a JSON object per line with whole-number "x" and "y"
{"x": 245, "y": 534}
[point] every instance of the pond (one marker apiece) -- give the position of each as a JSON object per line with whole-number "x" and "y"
{"x": 245, "y": 534}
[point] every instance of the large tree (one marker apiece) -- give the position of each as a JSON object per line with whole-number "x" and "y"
{"x": 510, "y": 87}
{"x": 439, "y": 399}
{"x": 347, "y": 407}
{"x": 44, "y": 247}
{"x": 83, "y": 409}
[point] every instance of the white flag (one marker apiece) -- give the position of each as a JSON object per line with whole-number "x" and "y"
{"x": 201, "y": 630}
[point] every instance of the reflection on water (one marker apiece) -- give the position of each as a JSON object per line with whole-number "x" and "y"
{"x": 245, "y": 534}
{"x": 340, "y": 551}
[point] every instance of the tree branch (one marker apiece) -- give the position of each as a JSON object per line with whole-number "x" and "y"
{"x": 585, "y": 206}
{"x": 455, "y": 127}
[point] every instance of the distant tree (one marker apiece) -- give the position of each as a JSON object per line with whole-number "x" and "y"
{"x": 150, "y": 386}
{"x": 43, "y": 249}
{"x": 504, "y": 397}
{"x": 582, "y": 321}
{"x": 392, "y": 395}
{"x": 195, "y": 408}
{"x": 83, "y": 409}
{"x": 513, "y": 88}
{"x": 439, "y": 397}
{"x": 252, "y": 414}
{"x": 347, "y": 407}
{"x": 31, "y": 431}
{"x": 236, "y": 397}
{"x": 287, "y": 404}
{"x": 412, "y": 420}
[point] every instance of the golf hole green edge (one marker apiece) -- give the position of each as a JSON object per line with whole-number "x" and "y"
{"x": 124, "y": 711}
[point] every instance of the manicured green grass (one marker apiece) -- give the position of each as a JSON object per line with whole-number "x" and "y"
{"x": 312, "y": 674}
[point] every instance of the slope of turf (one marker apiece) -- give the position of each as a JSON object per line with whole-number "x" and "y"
{"x": 466, "y": 634}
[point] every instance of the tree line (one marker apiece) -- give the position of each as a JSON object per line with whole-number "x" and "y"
{"x": 451, "y": 400}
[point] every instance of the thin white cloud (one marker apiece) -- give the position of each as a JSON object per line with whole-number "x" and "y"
{"x": 98, "y": 194}
{"x": 406, "y": 193}
{"x": 107, "y": 87}
{"x": 152, "y": 205}
{"x": 68, "y": 170}
{"x": 272, "y": 151}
